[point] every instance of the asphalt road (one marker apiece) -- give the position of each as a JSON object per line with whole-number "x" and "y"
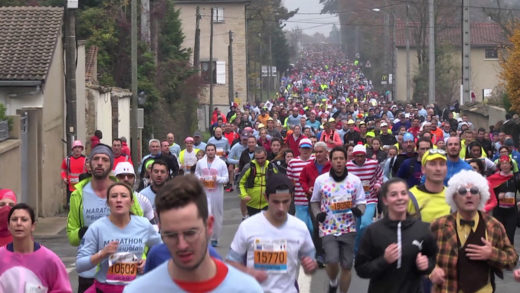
{"x": 232, "y": 217}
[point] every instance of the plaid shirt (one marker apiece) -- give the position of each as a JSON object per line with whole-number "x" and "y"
{"x": 445, "y": 232}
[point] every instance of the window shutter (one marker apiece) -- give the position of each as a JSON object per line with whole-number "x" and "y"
{"x": 221, "y": 72}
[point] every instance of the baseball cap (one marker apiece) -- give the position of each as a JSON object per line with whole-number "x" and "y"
{"x": 384, "y": 124}
{"x": 124, "y": 168}
{"x": 197, "y": 134}
{"x": 305, "y": 143}
{"x": 261, "y": 125}
{"x": 350, "y": 121}
{"x": 359, "y": 149}
{"x": 433, "y": 154}
{"x": 77, "y": 143}
{"x": 509, "y": 142}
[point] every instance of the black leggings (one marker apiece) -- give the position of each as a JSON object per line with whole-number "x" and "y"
{"x": 507, "y": 216}
{"x": 252, "y": 211}
{"x": 84, "y": 284}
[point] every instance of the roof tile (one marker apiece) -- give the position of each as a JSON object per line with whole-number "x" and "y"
{"x": 28, "y": 37}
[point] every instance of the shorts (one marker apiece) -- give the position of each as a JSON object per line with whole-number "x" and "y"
{"x": 339, "y": 248}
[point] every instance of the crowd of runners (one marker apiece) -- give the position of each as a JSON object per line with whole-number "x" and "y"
{"x": 330, "y": 174}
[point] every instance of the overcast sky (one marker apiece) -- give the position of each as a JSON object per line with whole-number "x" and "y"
{"x": 309, "y": 18}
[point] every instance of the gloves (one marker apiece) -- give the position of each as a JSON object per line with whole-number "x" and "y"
{"x": 357, "y": 212}
{"x": 321, "y": 217}
{"x": 82, "y": 232}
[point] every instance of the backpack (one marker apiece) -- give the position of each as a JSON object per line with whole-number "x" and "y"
{"x": 250, "y": 181}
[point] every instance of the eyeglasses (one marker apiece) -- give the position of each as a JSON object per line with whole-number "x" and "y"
{"x": 473, "y": 190}
{"x": 437, "y": 151}
{"x": 3, "y": 204}
{"x": 188, "y": 236}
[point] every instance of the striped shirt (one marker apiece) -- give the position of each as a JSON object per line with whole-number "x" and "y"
{"x": 294, "y": 168}
{"x": 371, "y": 174}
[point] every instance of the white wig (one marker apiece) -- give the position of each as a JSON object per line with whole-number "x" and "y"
{"x": 463, "y": 178}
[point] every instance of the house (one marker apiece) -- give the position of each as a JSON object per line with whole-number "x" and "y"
{"x": 487, "y": 39}
{"x": 228, "y": 15}
{"x": 32, "y": 85}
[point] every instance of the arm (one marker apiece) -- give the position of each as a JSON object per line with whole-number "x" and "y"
{"x": 243, "y": 192}
{"x": 233, "y": 158}
{"x": 74, "y": 219}
{"x": 503, "y": 254}
{"x": 367, "y": 264}
{"x": 223, "y": 176}
{"x": 430, "y": 250}
{"x": 64, "y": 169}
{"x": 58, "y": 277}
{"x": 337, "y": 139}
{"x": 88, "y": 254}
{"x": 198, "y": 170}
{"x": 304, "y": 179}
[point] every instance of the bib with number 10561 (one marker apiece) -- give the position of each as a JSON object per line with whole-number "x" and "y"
{"x": 341, "y": 205}
{"x": 270, "y": 255}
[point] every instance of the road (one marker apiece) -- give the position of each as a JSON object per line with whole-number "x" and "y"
{"x": 232, "y": 217}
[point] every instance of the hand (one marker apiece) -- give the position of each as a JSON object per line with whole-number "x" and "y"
{"x": 479, "y": 252}
{"x": 501, "y": 195}
{"x": 516, "y": 275}
{"x": 309, "y": 265}
{"x": 437, "y": 276}
{"x": 246, "y": 198}
{"x": 236, "y": 170}
{"x": 421, "y": 261}
{"x": 65, "y": 181}
{"x": 391, "y": 253}
{"x": 320, "y": 217}
{"x": 109, "y": 249}
{"x": 140, "y": 266}
{"x": 376, "y": 188}
{"x": 214, "y": 177}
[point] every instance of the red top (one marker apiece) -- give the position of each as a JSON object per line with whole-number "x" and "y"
{"x": 207, "y": 285}
{"x": 76, "y": 166}
{"x": 122, "y": 158}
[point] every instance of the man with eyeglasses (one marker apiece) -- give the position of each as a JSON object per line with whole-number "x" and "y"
{"x": 428, "y": 201}
{"x": 473, "y": 247}
{"x": 273, "y": 242}
{"x": 186, "y": 228}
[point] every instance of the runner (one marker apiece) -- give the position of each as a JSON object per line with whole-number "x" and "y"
{"x": 28, "y": 266}
{"x": 212, "y": 172}
{"x": 337, "y": 198}
{"x": 116, "y": 243}
{"x": 274, "y": 242}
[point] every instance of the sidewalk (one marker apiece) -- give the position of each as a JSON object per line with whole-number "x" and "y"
{"x": 50, "y": 227}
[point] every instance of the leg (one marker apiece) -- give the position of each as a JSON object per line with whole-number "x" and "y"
{"x": 217, "y": 207}
{"x": 365, "y": 221}
{"x": 302, "y": 213}
{"x": 346, "y": 259}
{"x": 316, "y": 239}
{"x": 510, "y": 224}
{"x": 229, "y": 185}
{"x": 332, "y": 252}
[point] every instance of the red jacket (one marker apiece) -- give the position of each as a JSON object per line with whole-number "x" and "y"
{"x": 71, "y": 168}
{"x": 125, "y": 150}
{"x": 231, "y": 137}
{"x": 122, "y": 158}
{"x": 309, "y": 175}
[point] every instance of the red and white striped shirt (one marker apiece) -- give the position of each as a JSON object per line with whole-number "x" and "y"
{"x": 294, "y": 168}
{"x": 371, "y": 174}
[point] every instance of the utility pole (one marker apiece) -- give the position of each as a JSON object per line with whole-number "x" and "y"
{"x": 196, "y": 47}
{"x": 386, "y": 46}
{"x": 408, "y": 79}
{"x": 260, "y": 65}
{"x": 230, "y": 68}
{"x": 466, "y": 51}
{"x": 210, "y": 68}
{"x": 431, "y": 55}
{"x": 270, "y": 69}
{"x": 70, "y": 77}
{"x": 133, "y": 117}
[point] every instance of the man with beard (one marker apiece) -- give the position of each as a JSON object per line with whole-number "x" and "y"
{"x": 88, "y": 203}
{"x": 118, "y": 153}
{"x": 337, "y": 198}
{"x": 455, "y": 164}
{"x": 169, "y": 158}
{"x": 408, "y": 151}
{"x": 159, "y": 176}
{"x": 485, "y": 142}
{"x": 186, "y": 228}
{"x": 213, "y": 173}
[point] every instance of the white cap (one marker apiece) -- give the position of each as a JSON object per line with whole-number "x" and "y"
{"x": 383, "y": 124}
{"x": 124, "y": 168}
{"x": 358, "y": 149}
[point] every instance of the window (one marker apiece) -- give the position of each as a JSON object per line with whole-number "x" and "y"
{"x": 491, "y": 53}
{"x": 218, "y": 15}
{"x": 219, "y": 72}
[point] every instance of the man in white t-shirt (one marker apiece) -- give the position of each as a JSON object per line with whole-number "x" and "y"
{"x": 125, "y": 172}
{"x": 273, "y": 242}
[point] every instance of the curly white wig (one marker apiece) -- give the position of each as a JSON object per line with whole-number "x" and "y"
{"x": 464, "y": 178}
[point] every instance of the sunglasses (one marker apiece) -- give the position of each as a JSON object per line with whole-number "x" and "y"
{"x": 437, "y": 151}
{"x": 473, "y": 190}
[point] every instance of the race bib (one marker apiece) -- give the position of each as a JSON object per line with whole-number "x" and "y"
{"x": 341, "y": 205}
{"x": 508, "y": 200}
{"x": 271, "y": 255}
{"x": 122, "y": 268}
{"x": 74, "y": 180}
